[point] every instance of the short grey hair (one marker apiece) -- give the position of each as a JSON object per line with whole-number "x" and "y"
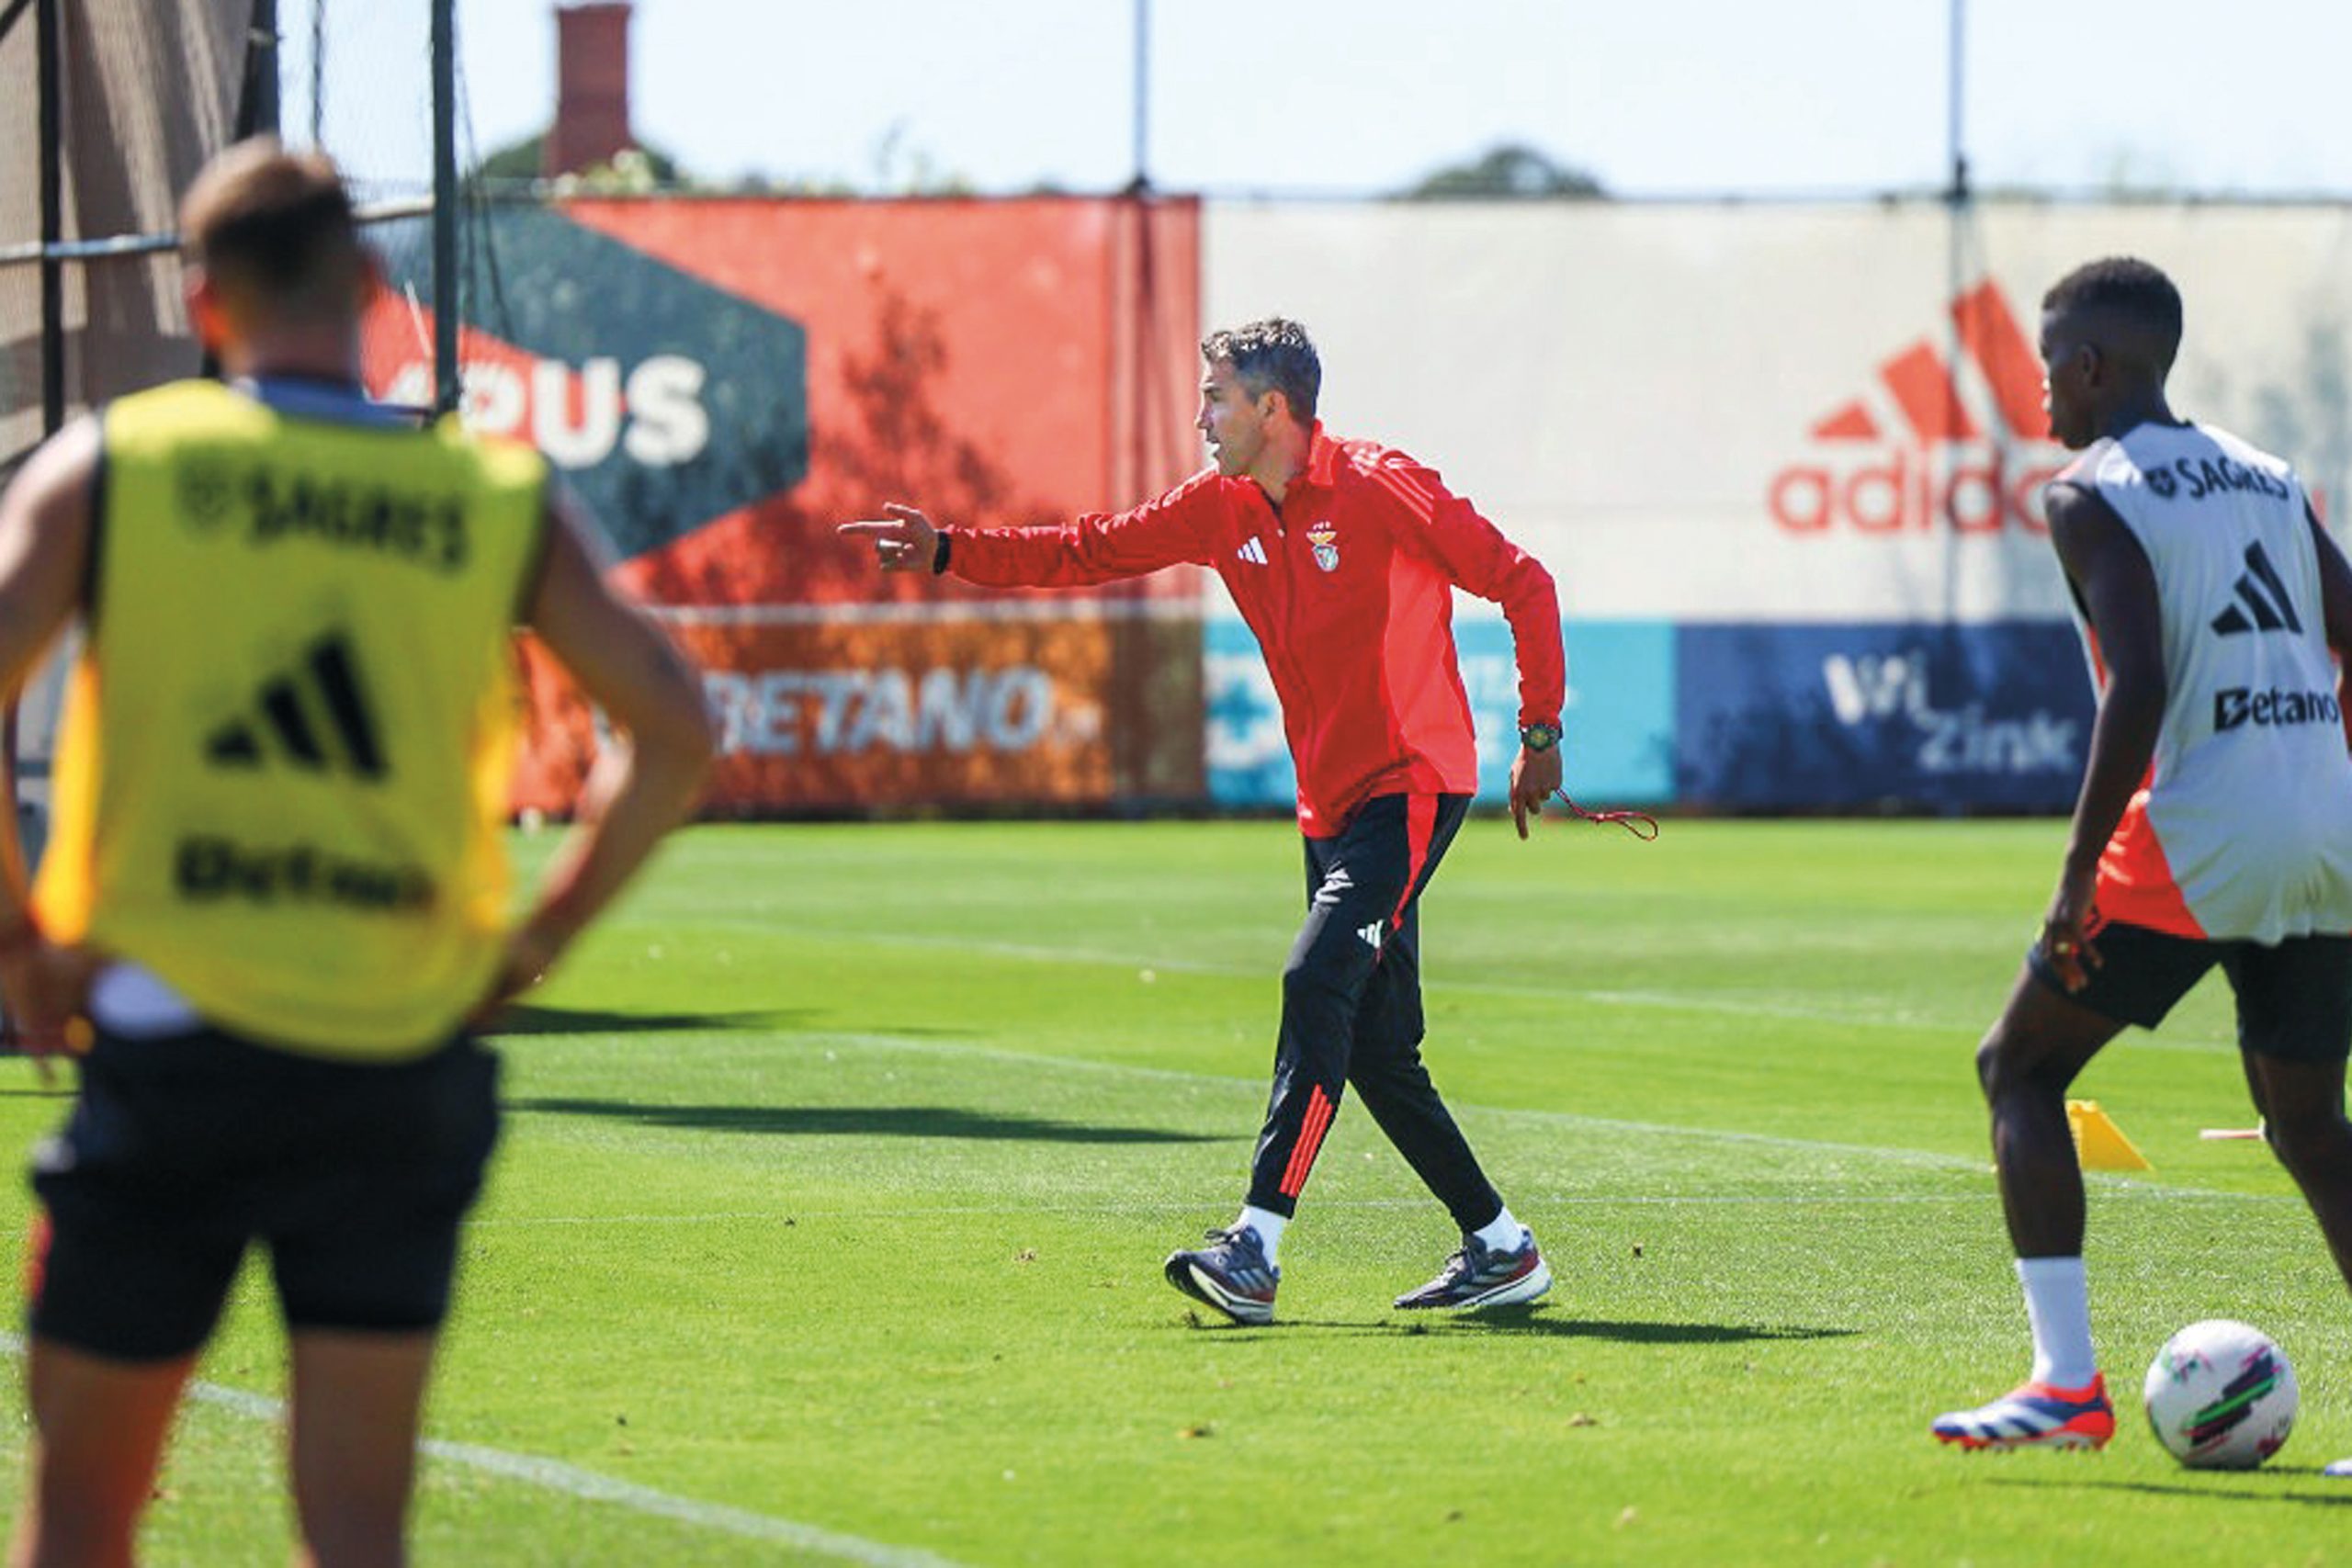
{"x": 1274, "y": 354}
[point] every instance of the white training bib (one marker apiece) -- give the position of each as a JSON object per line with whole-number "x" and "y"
{"x": 2244, "y": 821}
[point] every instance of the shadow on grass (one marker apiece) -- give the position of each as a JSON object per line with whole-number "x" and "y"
{"x": 856, "y": 1121}
{"x": 526, "y": 1017}
{"x": 1541, "y": 1320}
{"x": 2217, "y": 1493}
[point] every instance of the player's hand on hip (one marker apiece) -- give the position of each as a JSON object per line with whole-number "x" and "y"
{"x": 531, "y": 951}
{"x": 904, "y": 541}
{"x": 1533, "y": 776}
{"x": 2066, "y": 939}
{"x": 48, "y": 989}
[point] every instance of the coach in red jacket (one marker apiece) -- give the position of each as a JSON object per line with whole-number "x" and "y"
{"x": 1343, "y": 556}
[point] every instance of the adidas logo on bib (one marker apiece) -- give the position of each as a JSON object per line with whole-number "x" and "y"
{"x": 297, "y": 710}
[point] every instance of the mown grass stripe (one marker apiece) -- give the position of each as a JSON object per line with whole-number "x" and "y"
{"x": 588, "y": 1485}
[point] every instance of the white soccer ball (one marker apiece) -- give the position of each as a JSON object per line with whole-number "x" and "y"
{"x": 2220, "y": 1395}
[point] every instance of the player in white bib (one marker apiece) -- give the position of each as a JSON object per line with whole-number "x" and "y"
{"x": 2214, "y": 824}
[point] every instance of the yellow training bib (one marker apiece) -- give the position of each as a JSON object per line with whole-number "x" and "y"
{"x": 284, "y": 762}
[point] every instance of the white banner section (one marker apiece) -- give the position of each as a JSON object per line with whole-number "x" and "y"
{"x": 1779, "y": 413}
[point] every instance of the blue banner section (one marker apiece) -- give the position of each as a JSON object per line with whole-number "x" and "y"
{"x": 1987, "y": 716}
{"x": 1620, "y": 717}
{"x": 1249, "y": 759}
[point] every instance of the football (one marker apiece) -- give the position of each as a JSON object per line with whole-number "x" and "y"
{"x": 2220, "y": 1395}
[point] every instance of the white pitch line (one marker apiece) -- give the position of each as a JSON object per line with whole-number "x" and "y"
{"x": 554, "y": 1475}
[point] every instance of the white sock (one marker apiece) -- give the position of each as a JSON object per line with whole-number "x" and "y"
{"x": 1269, "y": 1226}
{"x": 1502, "y": 1233}
{"x": 2058, "y": 1305}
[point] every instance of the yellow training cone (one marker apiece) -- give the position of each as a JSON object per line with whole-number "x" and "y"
{"x": 2100, "y": 1142}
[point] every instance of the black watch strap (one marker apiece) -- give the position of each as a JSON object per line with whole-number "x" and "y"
{"x": 944, "y": 545}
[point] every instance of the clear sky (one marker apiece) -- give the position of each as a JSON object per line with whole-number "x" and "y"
{"x": 1656, "y": 97}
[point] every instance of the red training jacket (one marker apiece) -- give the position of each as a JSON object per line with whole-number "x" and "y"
{"x": 1348, "y": 586}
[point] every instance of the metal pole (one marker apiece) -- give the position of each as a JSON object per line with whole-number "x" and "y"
{"x": 318, "y": 72}
{"x": 445, "y": 206}
{"x": 49, "y": 45}
{"x": 1142, "y": 147}
{"x": 1956, "y": 217}
{"x": 1957, "y": 52}
{"x": 261, "y": 71}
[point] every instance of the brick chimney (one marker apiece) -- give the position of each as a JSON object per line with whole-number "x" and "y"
{"x": 591, "y": 87}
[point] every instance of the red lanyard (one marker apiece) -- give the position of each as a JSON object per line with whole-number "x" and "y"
{"x": 1641, "y": 824}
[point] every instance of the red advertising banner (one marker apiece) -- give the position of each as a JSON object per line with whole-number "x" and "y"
{"x": 724, "y": 380}
{"x": 834, "y": 713}
{"x": 991, "y": 361}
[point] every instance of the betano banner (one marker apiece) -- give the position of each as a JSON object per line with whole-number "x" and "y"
{"x": 723, "y": 381}
{"x": 1808, "y": 438}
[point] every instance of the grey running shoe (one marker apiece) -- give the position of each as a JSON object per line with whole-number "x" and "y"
{"x": 1230, "y": 1274}
{"x": 1483, "y": 1275}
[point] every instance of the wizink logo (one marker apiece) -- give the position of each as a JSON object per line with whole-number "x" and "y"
{"x": 2236, "y": 708}
{"x": 1872, "y": 689}
{"x": 2261, "y": 603}
{"x": 1910, "y": 455}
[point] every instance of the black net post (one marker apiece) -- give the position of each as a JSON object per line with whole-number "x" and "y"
{"x": 47, "y": 46}
{"x": 257, "y": 109}
{"x": 445, "y": 206}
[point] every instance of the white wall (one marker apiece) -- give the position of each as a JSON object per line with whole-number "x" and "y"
{"x": 1625, "y": 388}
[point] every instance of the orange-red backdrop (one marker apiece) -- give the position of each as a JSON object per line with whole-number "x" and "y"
{"x": 994, "y": 362}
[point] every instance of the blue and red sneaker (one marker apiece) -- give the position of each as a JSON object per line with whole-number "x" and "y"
{"x": 2035, "y": 1415}
{"x": 1230, "y": 1274}
{"x": 1481, "y": 1276}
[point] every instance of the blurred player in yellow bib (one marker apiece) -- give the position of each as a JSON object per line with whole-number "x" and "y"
{"x": 275, "y": 896}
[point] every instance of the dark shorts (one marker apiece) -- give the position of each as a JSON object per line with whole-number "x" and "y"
{"x": 2294, "y": 999}
{"x": 182, "y": 1152}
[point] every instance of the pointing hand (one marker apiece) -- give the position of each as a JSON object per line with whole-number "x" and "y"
{"x": 904, "y": 541}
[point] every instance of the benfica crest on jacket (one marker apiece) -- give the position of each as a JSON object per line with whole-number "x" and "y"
{"x": 1326, "y": 540}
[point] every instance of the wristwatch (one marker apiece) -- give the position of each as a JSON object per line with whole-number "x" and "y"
{"x": 1539, "y": 737}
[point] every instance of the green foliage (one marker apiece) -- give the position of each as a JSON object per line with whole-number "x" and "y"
{"x": 520, "y": 160}
{"x": 840, "y": 1162}
{"x": 632, "y": 171}
{"x": 1509, "y": 171}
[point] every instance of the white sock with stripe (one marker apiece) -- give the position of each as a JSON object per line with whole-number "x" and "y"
{"x": 2058, "y": 1305}
{"x": 1269, "y": 1226}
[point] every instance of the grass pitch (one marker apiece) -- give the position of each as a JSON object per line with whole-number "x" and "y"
{"x": 840, "y": 1162}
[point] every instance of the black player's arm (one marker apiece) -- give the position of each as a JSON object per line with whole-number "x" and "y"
{"x": 2335, "y": 587}
{"x": 2116, "y": 588}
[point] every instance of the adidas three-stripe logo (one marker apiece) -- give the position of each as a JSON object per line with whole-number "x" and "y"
{"x": 324, "y": 685}
{"x": 1254, "y": 552}
{"x": 2261, "y": 603}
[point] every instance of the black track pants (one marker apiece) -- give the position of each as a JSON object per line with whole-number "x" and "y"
{"x": 1351, "y": 1011}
